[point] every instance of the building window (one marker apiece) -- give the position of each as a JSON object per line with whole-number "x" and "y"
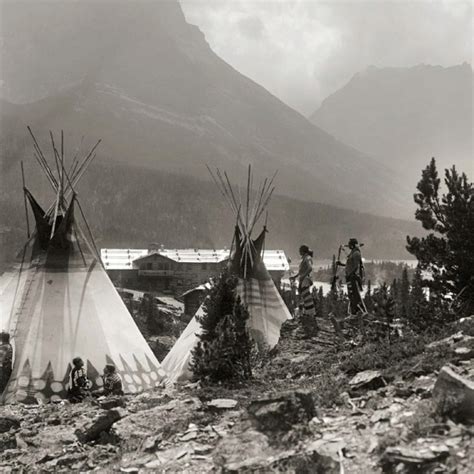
{"x": 149, "y": 266}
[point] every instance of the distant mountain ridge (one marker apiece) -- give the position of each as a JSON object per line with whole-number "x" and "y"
{"x": 145, "y": 81}
{"x": 404, "y": 116}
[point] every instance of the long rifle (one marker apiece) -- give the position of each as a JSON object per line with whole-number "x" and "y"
{"x": 334, "y": 276}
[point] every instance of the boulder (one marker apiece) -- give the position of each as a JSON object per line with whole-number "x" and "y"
{"x": 8, "y": 423}
{"x": 286, "y": 461}
{"x": 454, "y": 396}
{"x": 464, "y": 353}
{"x": 281, "y": 411}
{"x": 411, "y": 460}
{"x": 367, "y": 380}
{"x": 223, "y": 403}
{"x": 92, "y": 430}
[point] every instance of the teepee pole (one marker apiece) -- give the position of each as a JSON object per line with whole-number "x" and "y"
{"x": 24, "y": 200}
{"x": 248, "y": 197}
{"x": 55, "y": 153}
{"x": 42, "y": 160}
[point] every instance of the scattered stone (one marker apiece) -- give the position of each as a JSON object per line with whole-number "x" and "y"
{"x": 7, "y": 423}
{"x": 453, "y": 339}
{"x": 464, "y": 353}
{"x": 108, "y": 403}
{"x": 367, "y": 380}
{"x": 151, "y": 443}
{"x": 55, "y": 421}
{"x": 287, "y": 461}
{"x": 280, "y": 412}
{"x": 454, "y": 395}
{"x": 7, "y": 441}
{"x": 223, "y": 403}
{"x": 202, "y": 448}
{"x": 92, "y": 430}
{"x": 416, "y": 460}
{"x": 189, "y": 436}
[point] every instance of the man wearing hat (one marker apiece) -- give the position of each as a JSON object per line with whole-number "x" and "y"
{"x": 354, "y": 275}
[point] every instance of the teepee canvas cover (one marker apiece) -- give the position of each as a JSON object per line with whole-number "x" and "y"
{"x": 58, "y": 303}
{"x": 258, "y": 292}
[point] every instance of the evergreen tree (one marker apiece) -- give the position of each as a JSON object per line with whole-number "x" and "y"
{"x": 447, "y": 252}
{"x": 404, "y": 294}
{"x": 417, "y": 302}
{"x": 384, "y": 311}
{"x": 368, "y": 300}
{"x": 223, "y": 350}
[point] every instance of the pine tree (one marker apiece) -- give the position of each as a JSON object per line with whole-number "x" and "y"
{"x": 404, "y": 293}
{"x": 417, "y": 302}
{"x": 447, "y": 252}
{"x": 368, "y": 300}
{"x": 224, "y": 347}
{"x": 384, "y": 311}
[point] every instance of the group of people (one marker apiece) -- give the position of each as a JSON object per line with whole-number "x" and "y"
{"x": 354, "y": 271}
{"x": 81, "y": 386}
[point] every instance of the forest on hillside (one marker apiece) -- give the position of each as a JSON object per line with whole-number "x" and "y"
{"x": 132, "y": 207}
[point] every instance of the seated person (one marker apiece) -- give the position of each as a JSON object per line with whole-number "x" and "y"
{"x": 80, "y": 385}
{"x": 6, "y": 355}
{"x": 112, "y": 382}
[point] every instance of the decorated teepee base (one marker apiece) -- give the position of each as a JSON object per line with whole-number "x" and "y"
{"x": 26, "y": 388}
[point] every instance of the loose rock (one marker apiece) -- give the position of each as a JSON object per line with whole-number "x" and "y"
{"x": 367, "y": 380}
{"x": 7, "y": 423}
{"x": 280, "y": 412}
{"x": 103, "y": 422}
{"x": 454, "y": 396}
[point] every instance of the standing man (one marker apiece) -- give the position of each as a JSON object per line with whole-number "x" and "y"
{"x": 6, "y": 357}
{"x": 305, "y": 282}
{"x": 354, "y": 276}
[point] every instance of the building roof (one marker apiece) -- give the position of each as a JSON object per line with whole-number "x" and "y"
{"x": 122, "y": 259}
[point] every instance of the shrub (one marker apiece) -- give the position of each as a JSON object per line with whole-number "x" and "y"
{"x": 224, "y": 347}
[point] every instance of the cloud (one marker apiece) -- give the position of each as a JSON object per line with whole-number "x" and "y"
{"x": 302, "y": 51}
{"x": 252, "y": 27}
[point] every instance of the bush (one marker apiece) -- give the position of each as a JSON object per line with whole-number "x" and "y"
{"x": 224, "y": 347}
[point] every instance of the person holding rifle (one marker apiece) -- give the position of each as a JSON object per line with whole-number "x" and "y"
{"x": 305, "y": 283}
{"x": 354, "y": 276}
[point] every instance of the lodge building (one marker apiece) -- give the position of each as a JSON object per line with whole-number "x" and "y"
{"x": 176, "y": 271}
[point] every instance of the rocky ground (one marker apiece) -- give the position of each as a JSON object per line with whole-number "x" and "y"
{"x": 306, "y": 410}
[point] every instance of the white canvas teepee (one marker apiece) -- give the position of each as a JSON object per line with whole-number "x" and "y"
{"x": 57, "y": 303}
{"x": 255, "y": 286}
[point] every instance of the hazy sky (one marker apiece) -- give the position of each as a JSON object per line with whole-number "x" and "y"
{"x": 302, "y": 51}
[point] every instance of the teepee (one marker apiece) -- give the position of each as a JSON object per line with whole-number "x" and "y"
{"x": 57, "y": 301}
{"x": 255, "y": 286}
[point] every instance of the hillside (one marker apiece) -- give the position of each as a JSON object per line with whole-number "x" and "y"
{"x": 143, "y": 79}
{"x": 404, "y": 116}
{"x": 132, "y": 207}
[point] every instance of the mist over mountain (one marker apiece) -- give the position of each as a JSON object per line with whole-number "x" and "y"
{"x": 141, "y": 78}
{"x": 404, "y": 116}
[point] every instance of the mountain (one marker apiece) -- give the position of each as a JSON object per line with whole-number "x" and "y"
{"x": 404, "y": 116}
{"x": 137, "y": 75}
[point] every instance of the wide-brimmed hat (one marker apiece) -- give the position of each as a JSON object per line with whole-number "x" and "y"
{"x": 353, "y": 241}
